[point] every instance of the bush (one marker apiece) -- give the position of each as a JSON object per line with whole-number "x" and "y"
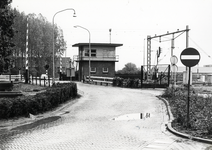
{"x": 130, "y": 83}
{"x": 200, "y": 109}
{"x": 41, "y": 102}
{"x": 5, "y": 107}
{"x": 117, "y": 81}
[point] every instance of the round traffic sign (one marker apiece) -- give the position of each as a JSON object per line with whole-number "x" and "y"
{"x": 190, "y": 57}
{"x": 174, "y": 60}
{"x": 174, "y": 68}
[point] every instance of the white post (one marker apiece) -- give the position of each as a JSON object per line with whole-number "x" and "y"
{"x": 26, "y": 55}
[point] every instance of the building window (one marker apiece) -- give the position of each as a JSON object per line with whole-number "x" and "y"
{"x": 87, "y": 52}
{"x": 93, "y": 70}
{"x": 105, "y": 70}
{"x": 93, "y": 52}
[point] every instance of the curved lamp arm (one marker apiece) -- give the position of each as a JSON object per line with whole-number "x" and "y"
{"x": 53, "y": 76}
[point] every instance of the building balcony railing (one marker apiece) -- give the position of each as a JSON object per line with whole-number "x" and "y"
{"x": 97, "y": 58}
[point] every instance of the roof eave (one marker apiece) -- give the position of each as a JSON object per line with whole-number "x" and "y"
{"x": 97, "y": 44}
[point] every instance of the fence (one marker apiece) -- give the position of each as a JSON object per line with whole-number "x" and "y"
{"x": 32, "y": 80}
{"x": 11, "y": 77}
{"x": 128, "y": 76}
{"x": 100, "y": 80}
{"x": 156, "y": 78}
{"x": 40, "y": 81}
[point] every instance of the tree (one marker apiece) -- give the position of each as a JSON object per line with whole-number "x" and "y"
{"x": 19, "y": 40}
{"x": 39, "y": 42}
{"x": 130, "y": 68}
{"x": 6, "y": 35}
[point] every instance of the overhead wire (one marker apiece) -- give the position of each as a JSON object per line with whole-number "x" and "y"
{"x": 200, "y": 47}
{"x": 163, "y": 56}
{"x": 167, "y": 39}
{"x": 179, "y": 35}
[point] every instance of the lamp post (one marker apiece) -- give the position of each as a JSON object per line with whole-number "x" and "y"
{"x": 89, "y": 61}
{"x": 53, "y": 76}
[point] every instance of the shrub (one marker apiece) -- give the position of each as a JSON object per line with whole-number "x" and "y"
{"x": 130, "y": 83}
{"x": 200, "y": 108}
{"x": 17, "y": 108}
{"x": 117, "y": 81}
{"x": 41, "y": 102}
{"x": 5, "y": 107}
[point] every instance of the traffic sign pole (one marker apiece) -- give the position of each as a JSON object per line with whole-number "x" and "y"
{"x": 189, "y": 57}
{"x": 174, "y": 61}
{"x": 188, "y": 101}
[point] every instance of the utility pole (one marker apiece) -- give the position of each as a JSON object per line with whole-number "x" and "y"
{"x": 110, "y": 34}
{"x": 148, "y": 56}
{"x": 173, "y": 67}
{"x": 144, "y": 54}
{"x": 172, "y": 47}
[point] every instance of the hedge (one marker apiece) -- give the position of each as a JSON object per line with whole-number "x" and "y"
{"x": 23, "y": 105}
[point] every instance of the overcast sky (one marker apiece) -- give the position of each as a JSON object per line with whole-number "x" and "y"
{"x": 131, "y": 21}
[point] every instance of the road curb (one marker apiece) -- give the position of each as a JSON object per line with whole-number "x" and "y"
{"x": 172, "y": 130}
{"x": 187, "y": 136}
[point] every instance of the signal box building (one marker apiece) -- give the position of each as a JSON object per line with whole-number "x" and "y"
{"x": 102, "y": 59}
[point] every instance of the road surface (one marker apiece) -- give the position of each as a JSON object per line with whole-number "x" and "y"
{"x": 106, "y": 118}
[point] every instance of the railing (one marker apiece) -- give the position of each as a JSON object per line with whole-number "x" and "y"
{"x": 100, "y": 80}
{"x": 98, "y": 57}
{"x": 40, "y": 81}
{"x": 10, "y": 77}
{"x": 32, "y": 80}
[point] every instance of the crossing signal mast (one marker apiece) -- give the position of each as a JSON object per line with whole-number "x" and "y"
{"x": 158, "y": 54}
{"x": 149, "y": 38}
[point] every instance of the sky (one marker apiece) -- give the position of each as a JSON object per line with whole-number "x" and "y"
{"x": 131, "y": 21}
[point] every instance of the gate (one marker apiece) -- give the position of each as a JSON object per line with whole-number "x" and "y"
{"x": 157, "y": 77}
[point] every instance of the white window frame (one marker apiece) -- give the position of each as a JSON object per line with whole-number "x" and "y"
{"x": 105, "y": 71}
{"x": 93, "y": 71}
{"x": 93, "y": 54}
{"x": 86, "y": 53}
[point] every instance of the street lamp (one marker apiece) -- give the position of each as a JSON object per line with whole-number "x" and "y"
{"x": 89, "y": 61}
{"x": 53, "y": 77}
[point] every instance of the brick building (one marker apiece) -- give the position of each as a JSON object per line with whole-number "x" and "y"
{"x": 102, "y": 60}
{"x": 36, "y": 66}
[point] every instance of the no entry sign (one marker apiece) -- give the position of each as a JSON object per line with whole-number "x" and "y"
{"x": 190, "y": 57}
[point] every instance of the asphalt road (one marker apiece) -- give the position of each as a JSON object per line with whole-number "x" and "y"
{"x": 106, "y": 118}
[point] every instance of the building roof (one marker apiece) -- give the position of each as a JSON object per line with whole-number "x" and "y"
{"x": 98, "y": 44}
